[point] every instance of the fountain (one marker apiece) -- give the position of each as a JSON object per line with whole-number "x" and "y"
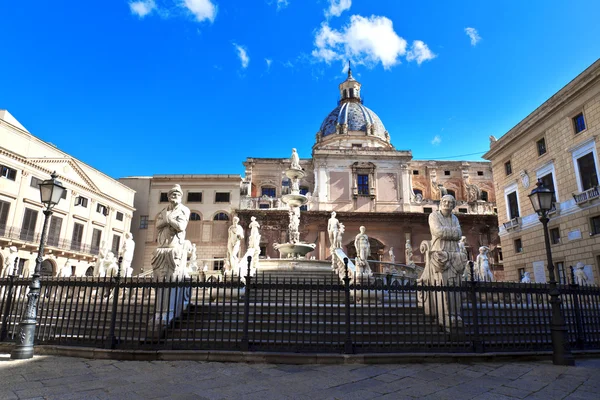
{"x": 294, "y": 248}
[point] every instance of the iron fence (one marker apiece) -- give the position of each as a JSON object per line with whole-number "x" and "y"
{"x": 319, "y": 314}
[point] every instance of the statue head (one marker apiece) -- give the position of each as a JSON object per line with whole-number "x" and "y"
{"x": 333, "y": 214}
{"x": 579, "y": 265}
{"x": 293, "y": 150}
{"x": 252, "y": 219}
{"x": 483, "y": 249}
{"x": 13, "y": 249}
{"x": 175, "y": 195}
{"x": 236, "y": 220}
{"x": 447, "y": 204}
{"x": 362, "y": 229}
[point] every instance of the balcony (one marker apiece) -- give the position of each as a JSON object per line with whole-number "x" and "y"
{"x": 263, "y": 203}
{"x": 513, "y": 224}
{"x": 26, "y": 236}
{"x": 586, "y": 195}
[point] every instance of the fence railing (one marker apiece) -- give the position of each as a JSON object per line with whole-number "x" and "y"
{"x": 326, "y": 314}
{"x": 31, "y": 236}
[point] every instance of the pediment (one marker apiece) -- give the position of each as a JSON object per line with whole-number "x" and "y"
{"x": 67, "y": 169}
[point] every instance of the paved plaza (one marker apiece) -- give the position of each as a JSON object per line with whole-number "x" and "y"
{"x": 49, "y": 377}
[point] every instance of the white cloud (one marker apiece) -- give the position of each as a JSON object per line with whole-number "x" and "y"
{"x": 337, "y": 7}
{"x": 282, "y": 4}
{"x": 366, "y": 41}
{"x": 419, "y": 52}
{"x": 437, "y": 139}
{"x": 142, "y": 8}
{"x": 243, "y": 55}
{"x": 202, "y": 9}
{"x": 269, "y": 62}
{"x": 474, "y": 35}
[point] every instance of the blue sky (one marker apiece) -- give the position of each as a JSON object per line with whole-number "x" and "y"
{"x": 196, "y": 86}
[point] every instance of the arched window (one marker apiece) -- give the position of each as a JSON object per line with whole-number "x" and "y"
{"x": 268, "y": 191}
{"x": 418, "y": 192}
{"x": 47, "y": 268}
{"x": 452, "y": 193}
{"x": 195, "y": 217}
{"x": 221, "y": 217}
{"x": 484, "y": 195}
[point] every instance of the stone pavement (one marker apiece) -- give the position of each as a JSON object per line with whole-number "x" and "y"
{"x": 49, "y": 377}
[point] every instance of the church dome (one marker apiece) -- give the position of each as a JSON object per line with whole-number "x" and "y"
{"x": 356, "y": 117}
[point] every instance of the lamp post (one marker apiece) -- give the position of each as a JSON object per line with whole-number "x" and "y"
{"x": 541, "y": 198}
{"x": 51, "y": 191}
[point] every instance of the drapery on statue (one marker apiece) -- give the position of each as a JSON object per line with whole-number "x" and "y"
{"x": 363, "y": 251}
{"x": 235, "y": 234}
{"x": 295, "y": 160}
{"x": 254, "y": 239}
{"x": 483, "y": 265}
{"x": 445, "y": 261}
{"x": 169, "y": 259}
{"x": 333, "y": 227}
{"x": 127, "y": 253}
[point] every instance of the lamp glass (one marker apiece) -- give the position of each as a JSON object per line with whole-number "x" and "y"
{"x": 541, "y": 198}
{"x": 51, "y": 191}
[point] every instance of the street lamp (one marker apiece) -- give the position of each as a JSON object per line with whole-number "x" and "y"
{"x": 51, "y": 191}
{"x": 541, "y": 198}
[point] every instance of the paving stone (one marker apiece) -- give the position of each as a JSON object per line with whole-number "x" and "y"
{"x": 519, "y": 393}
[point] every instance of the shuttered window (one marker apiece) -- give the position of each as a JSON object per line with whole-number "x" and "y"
{"x": 54, "y": 231}
{"x": 28, "y": 227}
{"x": 77, "y": 236}
{"x": 4, "y": 207}
{"x": 96, "y": 238}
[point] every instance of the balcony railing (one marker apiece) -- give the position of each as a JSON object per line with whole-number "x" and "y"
{"x": 512, "y": 224}
{"x": 33, "y": 237}
{"x": 587, "y": 195}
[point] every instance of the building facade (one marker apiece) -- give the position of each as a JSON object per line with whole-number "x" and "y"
{"x": 557, "y": 143}
{"x": 212, "y": 200}
{"x": 95, "y": 209}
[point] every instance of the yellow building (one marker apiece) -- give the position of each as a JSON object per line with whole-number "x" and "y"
{"x": 95, "y": 207}
{"x": 557, "y": 143}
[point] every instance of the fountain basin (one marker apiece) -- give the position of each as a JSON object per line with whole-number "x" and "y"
{"x": 294, "y": 200}
{"x": 293, "y": 173}
{"x": 294, "y": 250}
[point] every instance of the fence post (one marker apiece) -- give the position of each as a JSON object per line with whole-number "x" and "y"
{"x": 476, "y": 342}
{"x": 579, "y": 333}
{"x": 245, "y": 345}
{"x": 348, "y": 347}
{"x": 7, "y": 306}
{"x": 111, "y": 340}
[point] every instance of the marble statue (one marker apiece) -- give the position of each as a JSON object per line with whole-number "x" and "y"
{"x": 482, "y": 264}
{"x": 254, "y": 239}
{"x": 526, "y": 278}
{"x": 294, "y": 225}
{"x": 9, "y": 262}
{"x": 462, "y": 244}
{"x": 363, "y": 251}
{"x": 295, "y": 185}
{"x": 408, "y": 253}
{"x": 193, "y": 260}
{"x": 445, "y": 262}
{"x": 333, "y": 227}
{"x": 295, "y": 160}
{"x": 169, "y": 259}
{"x": 392, "y": 256}
{"x": 111, "y": 266}
{"x": 580, "y": 275}
{"x": 65, "y": 271}
{"x": 235, "y": 234}
{"x": 127, "y": 254}
{"x": 99, "y": 266}
{"x": 340, "y": 236}
{"x": 205, "y": 268}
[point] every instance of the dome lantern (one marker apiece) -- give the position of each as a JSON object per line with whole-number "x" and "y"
{"x": 350, "y": 88}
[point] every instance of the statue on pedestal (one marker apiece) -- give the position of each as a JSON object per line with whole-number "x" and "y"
{"x": 392, "y": 256}
{"x": 9, "y": 262}
{"x": 580, "y": 275}
{"x": 408, "y": 253}
{"x": 127, "y": 254}
{"x": 340, "y": 236}
{"x": 254, "y": 240}
{"x": 363, "y": 251}
{"x": 65, "y": 271}
{"x": 169, "y": 259}
{"x": 294, "y": 225}
{"x": 193, "y": 260}
{"x": 295, "y": 160}
{"x": 333, "y": 227}
{"x": 526, "y": 278}
{"x": 235, "y": 234}
{"x": 483, "y": 265}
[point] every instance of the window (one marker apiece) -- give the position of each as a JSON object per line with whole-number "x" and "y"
{"x": 541, "y": 146}
{"x": 195, "y": 217}
{"x": 4, "y": 207}
{"x": 356, "y": 145}
{"x": 221, "y": 197}
{"x": 116, "y": 245}
{"x": 548, "y": 181}
{"x": 595, "y": 225}
{"x": 119, "y": 216}
{"x": 451, "y": 193}
{"x": 304, "y": 191}
{"x": 143, "y": 222}
{"x": 427, "y": 210}
{"x": 218, "y": 265}
{"x": 447, "y": 173}
{"x": 561, "y": 273}
{"x": 363, "y": 185}
{"x": 415, "y": 172}
{"x": 221, "y": 217}
{"x": 194, "y": 197}
{"x": 463, "y": 210}
{"x": 513, "y": 205}
{"x": 96, "y": 238}
{"x": 579, "y": 123}
{"x": 63, "y": 195}
{"x": 479, "y": 173}
{"x": 28, "y": 226}
{"x": 164, "y": 197}
{"x": 8, "y": 172}
{"x": 418, "y": 192}
{"x": 102, "y": 209}
{"x": 264, "y": 206}
{"x": 508, "y": 168}
{"x": 518, "y": 246}
{"x": 499, "y": 253}
{"x": 35, "y": 182}
{"x": 81, "y": 201}
{"x": 484, "y": 195}
{"x": 587, "y": 171}
{"x": 77, "y": 236}
{"x": 267, "y": 191}
{"x": 555, "y": 235}
{"x": 54, "y": 231}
